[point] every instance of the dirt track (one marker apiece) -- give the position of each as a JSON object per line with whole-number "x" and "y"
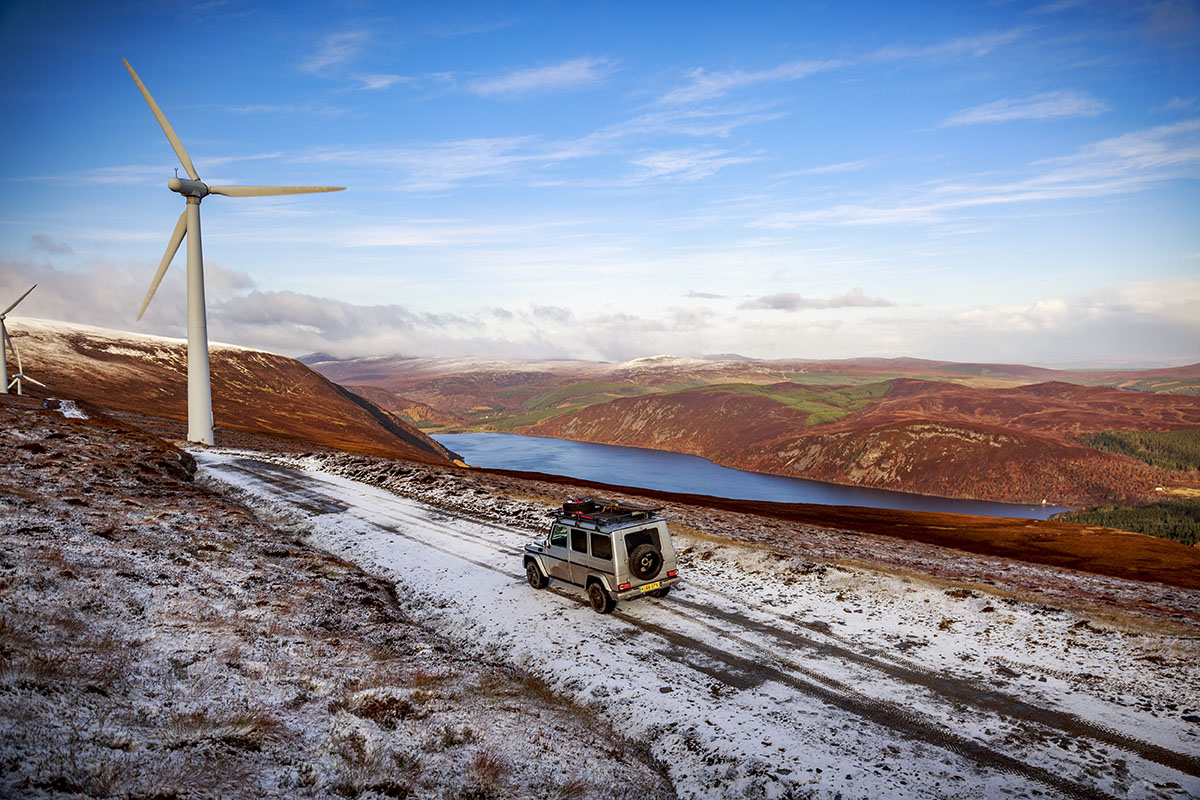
{"x": 735, "y": 652}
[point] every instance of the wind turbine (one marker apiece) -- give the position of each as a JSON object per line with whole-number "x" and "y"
{"x": 200, "y": 420}
{"x": 7, "y": 345}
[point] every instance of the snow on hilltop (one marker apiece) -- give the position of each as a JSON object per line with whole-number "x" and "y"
{"x": 43, "y": 328}
{"x": 253, "y": 391}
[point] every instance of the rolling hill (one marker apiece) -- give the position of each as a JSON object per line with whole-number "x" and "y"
{"x": 1015, "y": 445}
{"x": 253, "y": 391}
{"x": 986, "y": 431}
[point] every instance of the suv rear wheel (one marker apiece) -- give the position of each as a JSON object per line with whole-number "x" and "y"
{"x": 602, "y": 602}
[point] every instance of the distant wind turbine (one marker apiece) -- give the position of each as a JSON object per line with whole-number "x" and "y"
{"x": 7, "y": 345}
{"x": 200, "y": 421}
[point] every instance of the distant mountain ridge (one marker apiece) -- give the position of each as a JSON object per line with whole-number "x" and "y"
{"x": 986, "y": 431}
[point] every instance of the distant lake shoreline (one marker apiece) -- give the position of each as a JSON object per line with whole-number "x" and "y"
{"x": 674, "y": 472}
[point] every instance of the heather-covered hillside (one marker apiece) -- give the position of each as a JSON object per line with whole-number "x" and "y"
{"x": 252, "y": 391}
{"x": 1020, "y": 444}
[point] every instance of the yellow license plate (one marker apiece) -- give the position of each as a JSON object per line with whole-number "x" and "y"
{"x": 650, "y": 587}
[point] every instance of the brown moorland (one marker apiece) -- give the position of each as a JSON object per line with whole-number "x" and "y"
{"x": 253, "y": 391}
{"x": 144, "y": 376}
{"x": 466, "y": 385}
{"x": 974, "y": 430}
{"x": 1016, "y": 445}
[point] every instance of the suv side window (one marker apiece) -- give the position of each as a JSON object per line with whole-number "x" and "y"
{"x": 602, "y": 546}
{"x": 579, "y": 541}
{"x": 558, "y": 536}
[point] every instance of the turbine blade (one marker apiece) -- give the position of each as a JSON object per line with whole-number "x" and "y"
{"x": 184, "y": 159}
{"x": 17, "y": 353}
{"x": 18, "y": 300}
{"x": 34, "y": 381}
{"x": 172, "y": 247}
{"x": 267, "y": 191}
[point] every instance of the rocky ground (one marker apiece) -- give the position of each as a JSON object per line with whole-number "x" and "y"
{"x": 159, "y": 640}
{"x": 768, "y": 675}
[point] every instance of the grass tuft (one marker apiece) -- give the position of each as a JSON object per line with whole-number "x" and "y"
{"x": 247, "y": 729}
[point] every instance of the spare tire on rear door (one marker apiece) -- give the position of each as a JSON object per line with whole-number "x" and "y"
{"x": 645, "y": 561}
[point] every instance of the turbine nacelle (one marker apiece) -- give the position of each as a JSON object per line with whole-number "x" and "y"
{"x": 188, "y": 188}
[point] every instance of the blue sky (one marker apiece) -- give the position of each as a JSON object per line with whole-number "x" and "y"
{"x": 994, "y": 181}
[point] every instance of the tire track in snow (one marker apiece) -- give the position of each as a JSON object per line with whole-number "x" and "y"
{"x": 968, "y": 693}
{"x": 741, "y": 673}
{"x": 901, "y": 670}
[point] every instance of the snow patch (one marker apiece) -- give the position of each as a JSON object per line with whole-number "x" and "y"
{"x": 70, "y": 410}
{"x": 754, "y": 679}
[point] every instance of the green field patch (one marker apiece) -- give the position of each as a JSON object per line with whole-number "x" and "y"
{"x": 1188, "y": 386}
{"x": 583, "y": 394}
{"x": 821, "y": 417}
{"x": 818, "y": 403}
{"x": 1168, "y": 449}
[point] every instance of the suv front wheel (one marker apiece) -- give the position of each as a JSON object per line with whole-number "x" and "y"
{"x": 602, "y": 602}
{"x": 536, "y": 579}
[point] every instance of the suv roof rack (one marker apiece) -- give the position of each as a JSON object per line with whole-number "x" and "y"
{"x": 603, "y": 513}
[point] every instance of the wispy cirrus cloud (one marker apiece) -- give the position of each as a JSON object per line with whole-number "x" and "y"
{"x": 791, "y": 301}
{"x": 705, "y": 85}
{"x": 115, "y": 176}
{"x": 314, "y": 108}
{"x": 830, "y": 169}
{"x": 1178, "y": 104}
{"x": 1047, "y": 105}
{"x": 445, "y": 164}
{"x": 698, "y": 122}
{"x": 1057, "y": 6}
{"x": 373, "y": 83}
{"x": 686, "y": 164}
{"x": 975, "y": 46}
{"x": 448, "y": 232}
{"x": 576, "y": 73}
{"x": 1119, "y": 165}
{"x": 335, "y": 50}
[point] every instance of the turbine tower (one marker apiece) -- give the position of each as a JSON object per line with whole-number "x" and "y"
{"x": 6, "y": 346}
{"x": 200, "y": 420}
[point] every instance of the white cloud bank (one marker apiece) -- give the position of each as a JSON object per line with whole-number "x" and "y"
{"x": 1152, "y": 322}
{"x": 790, "y": 301}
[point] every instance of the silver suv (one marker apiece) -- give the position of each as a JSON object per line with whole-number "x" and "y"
{"x": 616, "y": 551}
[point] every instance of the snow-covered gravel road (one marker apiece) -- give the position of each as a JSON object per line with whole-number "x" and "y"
{"x": 755, "y": 681}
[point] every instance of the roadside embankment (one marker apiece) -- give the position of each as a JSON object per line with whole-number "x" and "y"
{"x": 159, "y": 640}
